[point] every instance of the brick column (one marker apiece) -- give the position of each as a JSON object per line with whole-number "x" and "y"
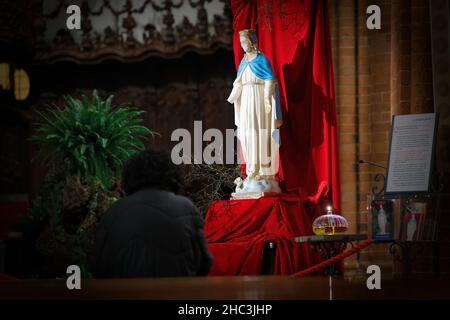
{"x": 378, "y": 73}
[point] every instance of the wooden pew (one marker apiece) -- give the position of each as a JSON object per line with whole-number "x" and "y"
{"x": 224, "y": 288}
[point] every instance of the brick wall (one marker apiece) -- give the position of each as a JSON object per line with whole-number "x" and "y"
{"x": 378, "y": 74}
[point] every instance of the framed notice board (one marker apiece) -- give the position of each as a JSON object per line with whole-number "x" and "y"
{"x": 411, "y": 153}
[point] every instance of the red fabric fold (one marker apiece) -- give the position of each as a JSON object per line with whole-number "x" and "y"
{"x": 237, "y": 231}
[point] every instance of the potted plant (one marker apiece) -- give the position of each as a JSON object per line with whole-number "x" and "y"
{"x": 84, "y": 144}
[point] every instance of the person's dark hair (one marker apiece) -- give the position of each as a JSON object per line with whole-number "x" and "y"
{"x": 150, "y": 169}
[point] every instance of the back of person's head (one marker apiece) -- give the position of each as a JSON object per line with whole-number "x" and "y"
{"x": 150, "y": 169}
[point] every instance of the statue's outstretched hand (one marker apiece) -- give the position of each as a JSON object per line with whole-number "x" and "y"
{"x": 278, "y": 123}
{"x": 235, "y": 93}
{"x": 269, "y": 92}
{"x": 267, "y": 105}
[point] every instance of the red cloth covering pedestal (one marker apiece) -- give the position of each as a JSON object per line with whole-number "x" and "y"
{"x": 237, "y": 231}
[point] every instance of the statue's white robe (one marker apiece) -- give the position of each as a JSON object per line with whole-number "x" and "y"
{"x": 254, "y": 106}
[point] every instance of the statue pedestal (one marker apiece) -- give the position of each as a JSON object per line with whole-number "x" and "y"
{"x": 252, "y": 188}
{"x": 254, "y": 195}
{"x": 239, "y": 231}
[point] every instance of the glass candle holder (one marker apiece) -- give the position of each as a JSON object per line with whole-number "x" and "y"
{"x": 329, "y": 223}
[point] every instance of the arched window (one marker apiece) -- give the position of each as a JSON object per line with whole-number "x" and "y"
{"x": 4, "y": 76}
{"x": 21, "y": 83}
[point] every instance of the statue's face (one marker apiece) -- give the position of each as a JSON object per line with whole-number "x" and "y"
{"x": 246, "y": 44}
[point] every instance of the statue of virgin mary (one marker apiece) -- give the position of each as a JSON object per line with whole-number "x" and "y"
{"x": 257, "y": 117}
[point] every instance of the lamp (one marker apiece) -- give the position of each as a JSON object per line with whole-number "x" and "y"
{"x": 330, "y": 223}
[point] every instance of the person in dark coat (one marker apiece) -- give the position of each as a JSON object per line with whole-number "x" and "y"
{"x": 152, "y": 232}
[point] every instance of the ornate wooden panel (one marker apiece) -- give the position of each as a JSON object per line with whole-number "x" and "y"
{"x": 125, "y": 39}
{"x": 174, "y": 93}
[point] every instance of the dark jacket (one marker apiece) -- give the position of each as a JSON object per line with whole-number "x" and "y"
{"x": 152, "y": 233}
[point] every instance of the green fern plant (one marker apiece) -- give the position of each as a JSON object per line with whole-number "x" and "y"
{"x": 90, "y": 138}
{"x": 84, "y": 143}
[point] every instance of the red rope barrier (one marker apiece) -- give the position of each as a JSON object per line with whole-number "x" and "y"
{"x": 333, "y": 260}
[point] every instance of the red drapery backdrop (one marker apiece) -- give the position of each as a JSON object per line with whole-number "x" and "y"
{"x": 294, "y": 35}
